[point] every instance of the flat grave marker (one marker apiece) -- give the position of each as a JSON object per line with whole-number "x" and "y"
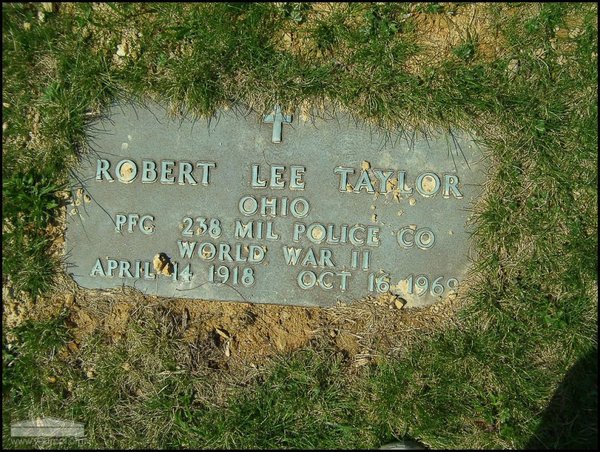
{"x": 270, "y": 210}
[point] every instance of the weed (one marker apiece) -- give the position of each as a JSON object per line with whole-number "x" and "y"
{"x": 295, "y": 11}
{"x": 30, "y": 203}
{"x": 29, "y": 200}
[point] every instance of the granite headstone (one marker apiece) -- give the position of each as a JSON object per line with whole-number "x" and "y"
{"x": 271, "y": 209}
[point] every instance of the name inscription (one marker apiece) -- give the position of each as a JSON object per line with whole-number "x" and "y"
{"x": 189, "y": 212}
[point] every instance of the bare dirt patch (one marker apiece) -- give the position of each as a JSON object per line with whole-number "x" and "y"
{"x": 239, "y": 335}
{"x": 438, "y": 34}
{"x": 435, "y": 33}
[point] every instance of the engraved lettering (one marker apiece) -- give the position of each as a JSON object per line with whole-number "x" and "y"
{"x": 243, "y": 231}
{"x": 148, "y": 272}
{"x": 256, "y": 254}
{"x": 299, "y": 208}
{"x": 207, "y": 251}
{"x": 97, "y": 269}
{"x": 248, "y": 205}
{"x": 343, "y": 172}
{"x": 270, "y": 233}
{"x": 296, "y": 181}
{"x": 111, "y": 265}
{"x": 322, "y": 283}
{"x": 138, "y": 269}
{"x": 353, "y": 239}
{"x": 364, "y": 181}
{"x": 166, "y": 176}
{"x": 255, "y": 229}
{"x": 102, "y": 170}
{"x": 239, "y": 256}
{"x": 224, "y": 249}
{"x": 331, "y": 238}
{"x": 186, "y": 248}
{"x": 424, "y": 238}
{"x": 149, "y": 173}
{"x": 206, "y": 166}
{"x": 344, "y": 279}
{"x": 366, "y": 260}
{"x": 403, "y": 240}
{"x": 325, "y": 258}
{"x": 308, "y": 279}
{"x": 291, "y": 254}
{"x": 126, "y": 170}
{"x": 185, "y": 174}
{"x": 428, "y": 184}
{"x": 402, "y": 184}
{"x": 309, "y": 258}
{"x": 343, "y": 233}
{"x": 276, "y": 179}
{"x": 292, "y": 257}
{"x": 372, "y": 236}
{"x": 299, "y": 228}
{"x": 268, "y": 203}
{"x": 451, "y": 184}
{"x": 120, "y": 220}
{"x": 273, "y": 206}
{"x": 147, "y": 229}
{"x": 382, "y": 176}
{"x": 357, "y": 258}
{"x": 256, "y": 181}
{"x": 409, "y": 236}
{"x": 132, "y": 220}
{"x": 303, "y": 283}
{"x": 124, "y": 267}
{"x": 316, "y": 233}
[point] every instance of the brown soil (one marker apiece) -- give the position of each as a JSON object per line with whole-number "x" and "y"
{"x": 439, "y": 34}
{"x": 436, "y": 33}
{"x": 240, "y": 334}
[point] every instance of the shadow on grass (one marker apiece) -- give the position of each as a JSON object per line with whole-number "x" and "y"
{"x": 571, "y": 419}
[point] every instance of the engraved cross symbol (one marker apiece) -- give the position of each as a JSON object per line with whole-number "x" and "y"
{"x": 277, "y": 118}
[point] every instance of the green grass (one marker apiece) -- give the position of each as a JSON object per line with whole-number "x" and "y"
{"x": 29, "y": 205}
{"x": 531, "y": 331}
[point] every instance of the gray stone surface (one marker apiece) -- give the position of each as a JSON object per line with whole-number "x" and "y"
{"x": 208, "y": 172}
